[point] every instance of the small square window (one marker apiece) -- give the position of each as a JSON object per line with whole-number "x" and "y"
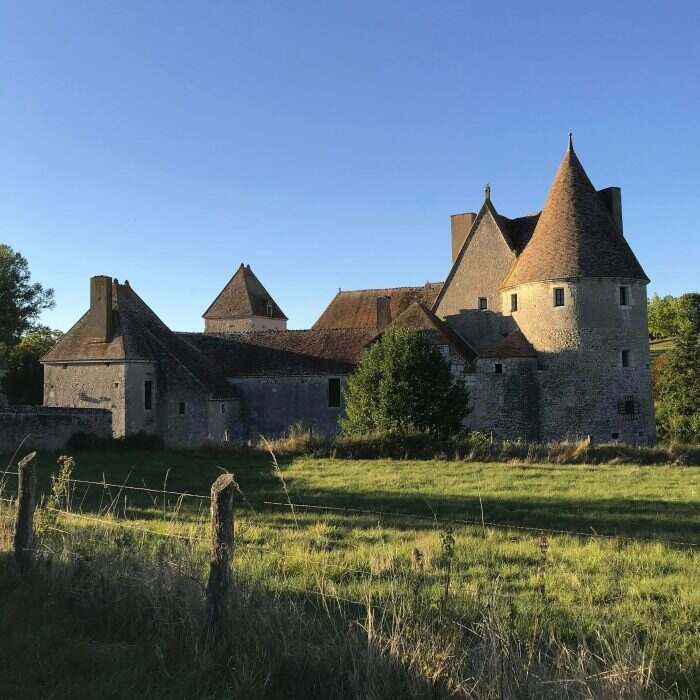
{"x": 625, "y": 358}
{"x": 513, "y": 302}
{"x": 559, "y": 296}
{"x": 498, "y": 368}
{"x": 624, "y": 296}
{"x": 483, "y": 303}
{"x": 614, "y": 436}
{"x": 182, "y": 408}
{"x": 334, "y": 392}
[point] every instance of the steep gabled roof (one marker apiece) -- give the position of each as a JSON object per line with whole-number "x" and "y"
{"x": 358, "y": 308}
{"x": 575, "y": 235}
{"x": 515, "y": 233}
{"x": 283, "y": 353}
{"x": 419, "y": 317}
{"x": 137, "y": 334}
{"x": 242, "y": 297}
{"x": 514, "y": 345}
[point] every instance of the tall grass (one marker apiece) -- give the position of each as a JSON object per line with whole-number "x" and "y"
{"x": 471, "y": 447}
{"x": 137, "y": 589}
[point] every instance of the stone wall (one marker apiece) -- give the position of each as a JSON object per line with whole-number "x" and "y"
{"x": 270, "y": 405}
{"x": 485, "y": 263}
{"x": 50, "y": 428}
{"x": 244, "y": 325}
{"x": 88, "y": 385}
{"x": 583, "y": 385}
{"x": 506, "y": 403}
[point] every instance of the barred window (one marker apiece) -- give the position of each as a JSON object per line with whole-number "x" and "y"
{"x": 628, "y": 407}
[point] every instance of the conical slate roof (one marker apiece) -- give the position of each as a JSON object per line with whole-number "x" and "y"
{"x": 243, "y": 297}
{"x": 575, "y": 235}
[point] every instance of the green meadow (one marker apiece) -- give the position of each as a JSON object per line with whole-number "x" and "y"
{"x": 467, "y": 554}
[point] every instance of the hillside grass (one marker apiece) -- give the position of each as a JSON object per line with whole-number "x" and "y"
{"x": 634, "y": 605}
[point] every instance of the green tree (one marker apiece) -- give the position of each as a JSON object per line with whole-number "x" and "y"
{"x": 24, "y": 381}
{"x": 664, "y": 315}
{"x": 21, "y": 300}
{"x": 678, "y": 389}
{"x": 403, "y": 384}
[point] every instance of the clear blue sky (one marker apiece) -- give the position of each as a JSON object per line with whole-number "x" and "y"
{"x": 327, "y": 143}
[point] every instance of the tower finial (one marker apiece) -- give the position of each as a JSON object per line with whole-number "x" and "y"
{"x": 487, "y": 192}
{"x": 571, "y": 141}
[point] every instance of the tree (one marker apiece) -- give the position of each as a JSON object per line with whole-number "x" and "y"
{"x": 21, "y": 301}
{"x": 403, "y": 384}
{"x": 24, "y": 381}
{"x": 678, "y": 389}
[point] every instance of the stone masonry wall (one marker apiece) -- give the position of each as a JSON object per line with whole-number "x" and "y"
{"x": 88, "y": 385}
{"x": 244, "y": 325}
{"x": 583, "y": 386}
{"x": 49, "y": 428}
{"x": 270, "y": 405}
{"x": 505, "y": 404}
{"x": 485, "y": 263}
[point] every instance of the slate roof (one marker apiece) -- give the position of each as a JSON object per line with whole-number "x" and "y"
{"x": 283, "y": 353}
{"x": 419, "y": 317}
{"x": 242, "y": 297}
{"x": 138, "y": 334}
{"x": 358, "y": 308}
{"x": 575, "y": 235}
{"x": 514, "y": 345}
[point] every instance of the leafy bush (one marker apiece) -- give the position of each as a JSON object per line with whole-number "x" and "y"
{"x": 403, "y": 384}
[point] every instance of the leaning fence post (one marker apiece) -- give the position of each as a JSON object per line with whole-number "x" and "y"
{"x": 219, "y": 583}
{"x": 24, "y": 519}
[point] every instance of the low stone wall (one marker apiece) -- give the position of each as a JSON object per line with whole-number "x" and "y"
{"x": 49, "y": 428}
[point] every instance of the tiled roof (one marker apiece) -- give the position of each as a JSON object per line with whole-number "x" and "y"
{"x": 575, "y": 235}
{"x": 358, "y": 308}
{"x": 138, "y": 334}
{"x": 515, "y": 344}
{"x": 242, "y": 297}
{"x": 283, "y": 353}
{"x": 418, "y": 317}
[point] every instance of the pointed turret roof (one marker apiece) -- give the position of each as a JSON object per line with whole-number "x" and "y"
{"x": 575, "y": 235}
{"x": 244, "y": 296}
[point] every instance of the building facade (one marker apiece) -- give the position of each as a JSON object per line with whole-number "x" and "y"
{"x": 543, "y": 315}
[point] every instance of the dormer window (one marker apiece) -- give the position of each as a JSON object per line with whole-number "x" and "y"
{"x": 559, "y": 296}
{"x": 483, "y": 303}
{"x": 624, "y": 296}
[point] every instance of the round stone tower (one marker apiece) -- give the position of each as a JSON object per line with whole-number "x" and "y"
{"x": 578, "y": 294}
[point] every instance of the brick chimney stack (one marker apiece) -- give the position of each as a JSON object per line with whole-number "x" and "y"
{"x": 612, "y": 196}
{"x": 383, "y": 312}
{"x": 100, "y": 317}
{"x": 461, "y": 223}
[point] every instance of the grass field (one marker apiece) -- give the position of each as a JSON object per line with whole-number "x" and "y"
{"x": 626, "y": 604}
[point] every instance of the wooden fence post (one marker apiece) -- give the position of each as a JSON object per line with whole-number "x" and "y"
{"x": 222, "y": 491}
{"x": 24, "y": 519}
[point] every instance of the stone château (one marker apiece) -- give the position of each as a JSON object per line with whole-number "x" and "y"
{"x": 544, "y": 316}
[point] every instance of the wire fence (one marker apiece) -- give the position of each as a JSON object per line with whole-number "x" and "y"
{"x": 318, "y": 566}
{"x": 436, "y": 520}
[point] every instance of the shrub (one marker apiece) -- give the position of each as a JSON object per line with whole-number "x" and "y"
{"x": 403, "y": 384}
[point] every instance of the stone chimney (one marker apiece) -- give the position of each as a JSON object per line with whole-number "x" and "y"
{"x": 612, "y": 198}
{"x": 100, "y": 317}
{"x": 383, "y": 312}
{"x": 461, "y": 224}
